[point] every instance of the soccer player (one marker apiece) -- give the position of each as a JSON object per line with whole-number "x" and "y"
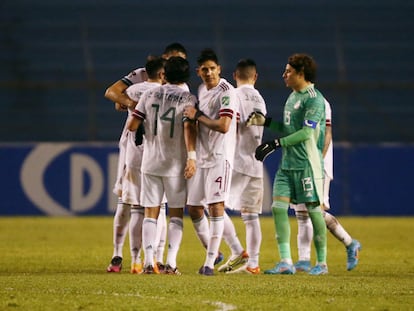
{"x": 131, "y": 182}
{"x": 169, "y": 157}
{"x": 216, "y": 140}
{"x": 246, "y": 191}
{"x": 116, "y": 93}
{"x": 299, "y": 178}
{"x": 305, "y": 231}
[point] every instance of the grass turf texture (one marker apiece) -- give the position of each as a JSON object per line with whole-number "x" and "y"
{"x": 59, "y": 264}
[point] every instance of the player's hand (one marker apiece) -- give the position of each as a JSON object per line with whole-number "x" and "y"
{"x": 189, "y": 112}
{"x": 258, "y": 118}
{"x": 192, "y": 113}
{"x": 120, "y": 107}
{"x": 190, "y": 168}
{"x": 131, "y": 105}
{"x": 266, "y": 149}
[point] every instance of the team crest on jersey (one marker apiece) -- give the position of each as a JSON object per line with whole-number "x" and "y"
{"x": 297, "y": 105}
{"x": 225, "y": 100}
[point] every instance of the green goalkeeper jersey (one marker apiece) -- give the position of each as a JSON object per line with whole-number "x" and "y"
{"x": 304, "y": 127}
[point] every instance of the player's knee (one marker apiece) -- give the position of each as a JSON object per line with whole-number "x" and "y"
{"x": 302, "y": 215}
{"x": 122, "y": 215}
{"x": 247, "y": 217}
{"x": 195, "y": 213}
{"x": 330, "y": 220}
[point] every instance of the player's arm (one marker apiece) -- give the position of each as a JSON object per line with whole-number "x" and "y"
{"x": 190, "y": 134}
{"x": 265, "y": 149}
{"x": 328, "y": 139}
{"x": 221, "y": 125}
{"x": 119, "y": 107}
{"x": 310, "y": 122}
{"x": 312, "y": 117}
{"x": 259, "y": 119}
{"x": 134, "y": 120}
{"x": 116, "y": 93}
{"x": 299, "y": 136}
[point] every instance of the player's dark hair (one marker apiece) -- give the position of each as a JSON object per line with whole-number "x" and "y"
{"x": 175, "y": 47}
{"x": 246, "y": 68}
{"x": 177, "y": 70}
{"x": 206, "y": 55}
{"x": 154, "y": 65}
{"x": 304, "y": 63}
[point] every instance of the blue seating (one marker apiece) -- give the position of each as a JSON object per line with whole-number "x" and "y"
{"x": 58, "y": 57}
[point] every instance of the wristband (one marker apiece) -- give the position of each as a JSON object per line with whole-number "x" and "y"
{"x": 198, "y": 114}
{"x": 191, "y": 155}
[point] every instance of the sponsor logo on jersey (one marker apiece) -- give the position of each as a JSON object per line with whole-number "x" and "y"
{"x": 297, "y": 105}
{"x": 225, "y": 100}
{"x": 310, "y": 123}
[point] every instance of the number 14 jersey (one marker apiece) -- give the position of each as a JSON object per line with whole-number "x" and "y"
{"x": 161, "y": 109}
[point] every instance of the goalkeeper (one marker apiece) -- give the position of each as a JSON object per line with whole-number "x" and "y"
{"x": 299, "y": 178}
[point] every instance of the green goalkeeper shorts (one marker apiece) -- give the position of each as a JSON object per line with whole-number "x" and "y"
{"x": 298, "y": 185}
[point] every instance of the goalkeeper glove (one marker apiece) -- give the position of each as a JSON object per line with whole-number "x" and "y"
{"x": 258, "y": 118}
{"x": 265, "y": 149}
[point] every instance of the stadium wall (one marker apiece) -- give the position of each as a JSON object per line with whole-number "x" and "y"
{"x": 74, "y": 179}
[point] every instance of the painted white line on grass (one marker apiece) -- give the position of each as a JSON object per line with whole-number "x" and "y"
{"x": 102, "y": 292}
{"x": 221, "y": 305}
{"x": 128, "y": 295}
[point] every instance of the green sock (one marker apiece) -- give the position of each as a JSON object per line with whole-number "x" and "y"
{"x": 319, "y": 233}
{"x": 282, "y": 225}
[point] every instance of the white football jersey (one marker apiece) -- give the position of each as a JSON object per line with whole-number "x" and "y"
{"x": 134, "y": 92}
{"x": 212, "y": 146}
{"x": 162, "y": 108}
{"x": 248, "y": 137}
{"x": 328, "y": 159}
{"x": 135, "y": 76}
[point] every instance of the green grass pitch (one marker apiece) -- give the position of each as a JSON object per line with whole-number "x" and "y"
{"x": 51, "y": 263}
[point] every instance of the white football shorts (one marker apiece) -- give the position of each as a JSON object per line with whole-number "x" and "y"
{"x": 210, "y": 185}
{"x": 153, "y": 188}
{"x": 246, "y": 193}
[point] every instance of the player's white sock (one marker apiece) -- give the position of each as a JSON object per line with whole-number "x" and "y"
{"x": 305, "y": 235}
{"x": 230, "y": 236}
{"x": 120, "y": 227}
{"x": 336, "y": 229}
{"x": 161, "y": 235}
{"x": 149, "y": 228}
{"x": 202, "y": 229}
{"x": 253, "y": 237}
{"x": 135, "y": 232}
{"x": 175, "y": 235}
{"x": 216, "y": 234}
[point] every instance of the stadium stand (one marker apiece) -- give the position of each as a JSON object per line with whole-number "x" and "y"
{"x": 57, "y": 58}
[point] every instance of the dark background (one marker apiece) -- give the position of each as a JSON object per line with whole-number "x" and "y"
{"x": 58, "y": 57}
